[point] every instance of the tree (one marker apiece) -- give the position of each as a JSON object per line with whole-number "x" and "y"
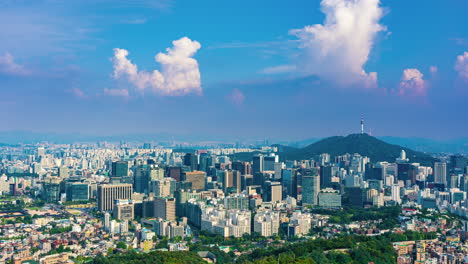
{"x": 121, "y": 245}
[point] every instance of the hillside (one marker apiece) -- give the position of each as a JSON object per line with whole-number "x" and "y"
{"x": 375, "y": 149}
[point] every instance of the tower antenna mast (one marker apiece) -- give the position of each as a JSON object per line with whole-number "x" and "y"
{"x": 362, "y": 124}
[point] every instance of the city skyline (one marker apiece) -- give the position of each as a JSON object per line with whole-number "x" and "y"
{"x": 246, "y": 70}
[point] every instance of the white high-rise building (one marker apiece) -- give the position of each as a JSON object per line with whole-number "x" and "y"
{"x": 302, "y": 221}
{"x": 389, "y": 180}
{"x": 440, "y": 172}
{"x": 226, "y": 222}
{"x": 266, "y": 223}
{"x": 396, "y": 193}
{"x": 107, "y": 221}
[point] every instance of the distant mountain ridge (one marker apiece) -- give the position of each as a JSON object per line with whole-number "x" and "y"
{"x": 363, "y": 144}
{"x": 459, "y": 145}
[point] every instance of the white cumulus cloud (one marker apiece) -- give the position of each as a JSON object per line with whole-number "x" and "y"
{"x": 179, "y": 73}
{"x": 338, "y": 49}
{"x": 461, "y": 66}
{"x": 412, "y": 83}
{"x": 9, "y": 66}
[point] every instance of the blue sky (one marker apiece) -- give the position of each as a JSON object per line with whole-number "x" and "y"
{"x": 243, "y": 69}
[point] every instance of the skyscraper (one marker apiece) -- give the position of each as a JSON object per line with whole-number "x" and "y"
{"x": 396, "y": 193}
{"x": 232, "y": 179}
{"x": 165, "y": 208}
{"x": 310, "y": 187}
{"x": 141, "y": 179}
{"x": 175, "y": 173}
{"x": 51, "y": 189}
{"x": 289, "y": 183}
{"x": 440, "y": 172}
{"x": 273, "y": 192}
{"x": 119, "y": 169}
{"x": 326, "y": 174}
{"x": 269, "y": 162}
{"x": 257, "y": 164}
{"x": 197, "y": 178}
{"x": 458, "y": 163}
{"x": 163, "y": 188}
{"x": 77, "y": 191}
{"x": 108, "y": 193}
{"x": 191, "y": 160}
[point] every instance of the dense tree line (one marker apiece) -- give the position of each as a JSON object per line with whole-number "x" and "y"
{"x": 342, "y": 249}
{"x": 388, "y": 214}
{"x": 162, "y": 257}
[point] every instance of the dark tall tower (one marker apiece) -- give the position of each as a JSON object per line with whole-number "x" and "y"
{"x": 119, "y": 169}
{"x": 191, "y": 160}
{"x": 326, "y": 174}
{"x": 257, "y": 164}
{"x": 174, "y": 173}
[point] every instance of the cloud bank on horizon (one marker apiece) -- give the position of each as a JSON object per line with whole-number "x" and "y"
{"x": 179, "y": 75}
{"x": 338, "y": 49}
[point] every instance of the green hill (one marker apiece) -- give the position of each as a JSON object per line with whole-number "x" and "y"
{"x": 365, "y": 145}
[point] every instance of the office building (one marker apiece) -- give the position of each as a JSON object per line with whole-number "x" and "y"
{"x": 257, "y": 164}
{"x": 191, "y": 161}
{"x": 175, "y": 173}
{"x": 119, "y": 169}
{"x": 78, "y": 191}
{"x": 242, "y": 167}
{"x": 197, "y": 179}
{"x": 123, "y": 210}
{"x": 108, "y": 193}
{"x": 269, "y": 162}
{"x": 51, "y": 189}
{"x": 289, "y": 180}
{"x": 273, "y": 192}
{"x": 310, "y": 187}
{"x": 163, "y": 187}
{"x": 326, "y": 174}
{"x": 329, "y": 198}
{"x": 165, "y": 208}
{"x": 440, "y": 172}
{"x": 231, "y": 179}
